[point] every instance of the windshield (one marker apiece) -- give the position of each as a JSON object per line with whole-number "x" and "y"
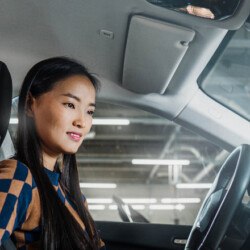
{"x": 149, "y": 163}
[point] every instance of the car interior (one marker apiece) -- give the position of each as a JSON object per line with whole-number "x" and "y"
{"x": 5, "y": 108}
{"x": 166, "y": 164}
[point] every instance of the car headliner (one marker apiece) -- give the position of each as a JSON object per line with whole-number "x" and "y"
{"x": 31, "y": 31}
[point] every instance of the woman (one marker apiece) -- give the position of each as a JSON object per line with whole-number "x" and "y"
{"x": 41, "y": 205}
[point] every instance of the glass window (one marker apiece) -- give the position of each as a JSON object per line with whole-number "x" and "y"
{"x": 227, "y": 76}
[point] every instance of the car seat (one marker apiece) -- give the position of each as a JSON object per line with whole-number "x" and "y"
{"x": 5, "y": 100}
{"x": 5, "y": 109}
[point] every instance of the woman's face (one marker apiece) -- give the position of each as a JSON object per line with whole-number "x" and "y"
{"x": 63, "y": 116}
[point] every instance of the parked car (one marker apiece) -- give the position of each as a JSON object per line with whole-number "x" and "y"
{"x": 173, "y": 104}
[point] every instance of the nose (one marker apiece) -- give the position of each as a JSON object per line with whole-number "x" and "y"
{"x": 79, "y": 121}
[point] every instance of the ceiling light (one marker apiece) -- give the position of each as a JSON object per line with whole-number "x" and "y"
{"x": 90, "y": 135}
{"x": 13, "y": 121}
{"x": 113, "y": 207}
{"x": 96, "y": 207}
{"x": 135, "y": 207}
{"x": 138, "y": 207}
{"x": 179, "y": 207}
{"x": 194, "y": 185}
{"x": 98, "y": 185}
{"x": 167, "y": 207}
{"x": 96, "y": 121}
{"x": 139, "y": 200}
{"x": 104, "y": 121}
{"x": 159, "y": 162}
{"x": 97, "y": 200}
{"x": 180, "y": 200}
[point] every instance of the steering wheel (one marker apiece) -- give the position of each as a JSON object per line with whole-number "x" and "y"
{"x": 222, "y": 201}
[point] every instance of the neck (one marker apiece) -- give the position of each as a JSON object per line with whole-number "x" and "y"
{"x": 49, "y": 161}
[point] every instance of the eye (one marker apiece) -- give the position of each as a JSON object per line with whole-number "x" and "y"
{"x": 91, "y": 112}
{"x": 69, "y": 105}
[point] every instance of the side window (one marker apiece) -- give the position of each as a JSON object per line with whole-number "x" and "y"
{"x": 145, "y": 166}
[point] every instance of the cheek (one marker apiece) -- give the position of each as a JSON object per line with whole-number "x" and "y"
{"x": 90, "y": 121}
{"x": 48, "y": 121}
{"x": 88, "y": 124}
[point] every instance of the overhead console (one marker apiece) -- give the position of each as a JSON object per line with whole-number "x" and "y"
{"x": 153, "y": 53}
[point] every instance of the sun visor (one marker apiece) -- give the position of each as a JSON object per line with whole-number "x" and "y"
{"x": 153, "y": 52}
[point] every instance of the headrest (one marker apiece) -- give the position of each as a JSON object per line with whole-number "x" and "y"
{"x": 5, "y": 100}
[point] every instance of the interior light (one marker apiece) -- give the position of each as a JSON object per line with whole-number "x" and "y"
{"x": 159, "y": 162}
{"x": 194, "y": 185}
{"x": 13, "y": 121}
{"x": 104, "y": 121}
{"x": 96, "y": 207}
{"x": 180, "y": 200}
{"x": 98, "y": 185}
{"x": 139, "y": 200}
{"x": 97, "y": 200}
{"x": 199, "y": 11}
{"x": 167, "y": 207}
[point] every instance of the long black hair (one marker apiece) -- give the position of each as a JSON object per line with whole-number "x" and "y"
{"x": 59, "y": 229}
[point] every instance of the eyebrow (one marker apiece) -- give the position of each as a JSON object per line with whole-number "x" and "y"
{"x": 77, "y": 98}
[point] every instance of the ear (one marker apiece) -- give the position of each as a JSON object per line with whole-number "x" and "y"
{"x": 29, "y": 105}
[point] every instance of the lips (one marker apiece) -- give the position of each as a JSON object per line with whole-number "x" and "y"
{"x": 75, "y": 136}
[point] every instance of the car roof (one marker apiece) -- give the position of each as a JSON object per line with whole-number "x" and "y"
{"x": 101, "y": 34}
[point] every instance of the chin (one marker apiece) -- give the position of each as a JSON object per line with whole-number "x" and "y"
{"x": 70, "y": 151}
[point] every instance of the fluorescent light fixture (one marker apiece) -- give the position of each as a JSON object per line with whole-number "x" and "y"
{"x": 180, "y": 207}
{"x": 96, "y": 207}
{"x": 104, "y": 121}
{"x": 90, "y": 135}
{"x": 96, "y": 121}
{"x": 167, "y": 207}
{"x": 180, "y": 200}
{"x": 98, "y": 185}
{"x": 194, "y": 185}
{"x": 113, "y": 207}
{"x": 161, "y": 207}
{"x": 135, "y": 207}
{"x": 97, "y": 200}
{"x": 138, "y": 207}
{"x": 139, "y": 200}
{"x": 159, "y": 162}
{"x": 13, "y": 121}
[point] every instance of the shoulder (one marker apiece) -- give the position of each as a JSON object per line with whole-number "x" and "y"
{"x": 16, "y": 191}
{"x": 83, "y": 197}
{"x": 85, "y": 201}
{"x": 13, "y": 169}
